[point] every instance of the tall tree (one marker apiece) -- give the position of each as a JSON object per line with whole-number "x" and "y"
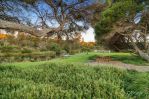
{"x": 126, "y": 22}
{"x": 47, "y": 17}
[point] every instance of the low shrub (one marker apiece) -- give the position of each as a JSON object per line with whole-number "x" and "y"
{"x": 55, "y": 47}
{"x": 137, "y": 85}
{"x": 26, "y": 50}
{"x": 9, "y": 49}
{"x": 34, "y": 56}
{"x": 72, "y": 52}
{"x": 85, "y": 49}
{"x": 70, "y": 81}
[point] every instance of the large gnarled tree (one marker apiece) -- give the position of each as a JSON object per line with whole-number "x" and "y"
{"x": 126, "y": 23}
{"x": 48, "y": 17}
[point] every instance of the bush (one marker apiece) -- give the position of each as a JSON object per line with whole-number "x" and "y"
{"x": 9, "y": 49}
{"x": 55, "y": 47}
{"x": 26, "y": 50}
{"x": 72, "y": 52}
{"x": 85, "y": 49}
{"x": 34, "y": 56}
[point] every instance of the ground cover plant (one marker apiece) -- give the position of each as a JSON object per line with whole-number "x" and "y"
{"x": 127, "y": 58}
{"x": 71, "y": 81}
{"x": 31, "y": 56}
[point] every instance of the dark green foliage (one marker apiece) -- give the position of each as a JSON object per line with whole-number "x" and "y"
{"x": 118, "y": 10}
{"x": 137, "y": 85}
{"x": 55, "y": 47}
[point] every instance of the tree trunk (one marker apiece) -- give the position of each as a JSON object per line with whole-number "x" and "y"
{"x": 23, "y": 28}
{"x": 141, "y": 53}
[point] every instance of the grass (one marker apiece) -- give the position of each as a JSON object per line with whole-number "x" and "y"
{"x": 70, "y": 81}
{"x": 69, "y": 78}
{"x": 129, "y": 58}
{"x": 84, "y": 58}
{"x": 123, "y": 57}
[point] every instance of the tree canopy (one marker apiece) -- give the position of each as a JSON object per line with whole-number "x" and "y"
{"x": 125, "y": 24}
{"x": 119, "y": 9}
{"x": 60, "y": 17}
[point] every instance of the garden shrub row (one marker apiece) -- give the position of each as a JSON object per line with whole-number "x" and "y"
{"x": 34, "y": 56}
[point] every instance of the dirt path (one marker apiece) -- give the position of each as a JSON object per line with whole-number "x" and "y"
{"x": 121, "y": 65}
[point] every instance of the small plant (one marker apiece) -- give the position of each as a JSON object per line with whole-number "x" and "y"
{"x": 8, "y": 49}
{"x": 26, "y": 50}
{"x": 55, "y": 47}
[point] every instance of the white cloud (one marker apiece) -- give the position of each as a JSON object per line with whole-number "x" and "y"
{"x": 89, "y": 35}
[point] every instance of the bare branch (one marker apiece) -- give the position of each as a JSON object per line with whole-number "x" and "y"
{"x": 24, "y": 28}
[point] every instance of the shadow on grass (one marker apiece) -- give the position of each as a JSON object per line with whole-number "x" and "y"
{"x": 124, "y": 57}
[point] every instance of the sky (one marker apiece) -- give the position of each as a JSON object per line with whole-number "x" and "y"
{"x": 89, "y": 35}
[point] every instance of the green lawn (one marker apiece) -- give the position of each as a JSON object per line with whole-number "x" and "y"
{"x": 84, "y": 57}
{"x": 123, "y": 57}
{"x": 127, "y": 58}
